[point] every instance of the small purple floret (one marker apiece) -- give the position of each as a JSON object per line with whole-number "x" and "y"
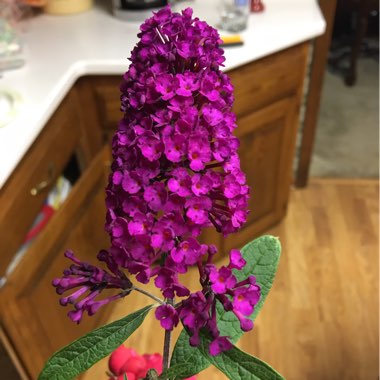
{"x": 92, "y": 281}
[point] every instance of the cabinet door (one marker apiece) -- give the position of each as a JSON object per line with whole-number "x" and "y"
{"x": 102, "y": 95}
{"x": 32, "y": 318}
{"x": 267, "y": 142}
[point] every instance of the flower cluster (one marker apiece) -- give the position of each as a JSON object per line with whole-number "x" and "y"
{"x": 175, "y": 172}
{"x": 91, "y": 280}
{"x": 199, "y": 309}
{"x": 126, "y": 361}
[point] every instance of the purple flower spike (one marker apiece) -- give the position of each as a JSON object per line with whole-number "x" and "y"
{"x": 175, "y": 94}
{"x": 175, "y": 172}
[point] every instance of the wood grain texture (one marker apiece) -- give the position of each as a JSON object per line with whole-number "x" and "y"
{"x": 267, "y": 139}
{"x": 7, "y": 345}
{"x": 320, "y": 321}
{"x": 267, "y": 80}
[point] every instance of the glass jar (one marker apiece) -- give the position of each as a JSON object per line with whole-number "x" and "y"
{"x": 234, "y": 15}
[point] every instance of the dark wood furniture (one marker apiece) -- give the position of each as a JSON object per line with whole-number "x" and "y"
{"x": 313, "y": 96}
{"x": 355, "y": 13}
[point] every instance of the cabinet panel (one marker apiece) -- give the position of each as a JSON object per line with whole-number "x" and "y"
{"x": 266, "y": 151}
{"x": 102, "y": 95}
{"x": 45, "y": 161}
{"x": 260, "y": 165}
{"x": 269, "y": 79}
{"x": 108, "y": 100}
{"x": 34, "y": 320}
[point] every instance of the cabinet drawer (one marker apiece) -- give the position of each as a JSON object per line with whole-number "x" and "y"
{"x": 35, "y": 323}
{"x": 26, "y": 190}
{"x": 267, "y": 80}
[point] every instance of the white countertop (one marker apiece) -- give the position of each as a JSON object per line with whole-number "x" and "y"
{"x": 60, "y": 49}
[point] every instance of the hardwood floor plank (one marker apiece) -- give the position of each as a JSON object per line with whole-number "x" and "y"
{"x": 320, "y": 321}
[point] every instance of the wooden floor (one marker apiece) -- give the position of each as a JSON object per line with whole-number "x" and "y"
{"x": 320, "y": 321}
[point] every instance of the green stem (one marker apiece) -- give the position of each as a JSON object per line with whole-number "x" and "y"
{"x": 167, "y": 343}
{"x": 148, "y": 295}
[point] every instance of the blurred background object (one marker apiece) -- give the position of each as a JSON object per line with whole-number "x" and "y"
{"x": 10, "y": 47}
{"x": 136, "y": 10}
{"x": 340, "y": 128}
{"x": 257, "y": 6}
{"x": 13, "y": 10}
{"x": 355, "y": 35}
{"x": 58, "y": 7}
{"x": 234, "y": 15}
{"x": 35, "y": 3}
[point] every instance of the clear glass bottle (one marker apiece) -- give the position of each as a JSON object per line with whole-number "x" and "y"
{"x": 234, "y": 15}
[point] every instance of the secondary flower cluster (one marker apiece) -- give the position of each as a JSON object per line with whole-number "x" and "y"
{"x": 199, "y": 309}
{"x": 91, "y": 280}
{"x": 175, "y": 172}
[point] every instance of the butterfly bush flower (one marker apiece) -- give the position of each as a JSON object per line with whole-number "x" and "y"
{"x": 175, "y": 172}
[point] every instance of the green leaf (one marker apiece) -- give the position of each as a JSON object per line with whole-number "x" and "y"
{"x": 188, "y": 361}
{"x": 151, "y": 375}
{"x": 89, "y": 349}
{"x": 262, "y": 256}
{"x": 238, "y": 365}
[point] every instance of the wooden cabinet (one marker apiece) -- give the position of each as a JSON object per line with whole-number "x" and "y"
{"x": 101, "y": 94}
{"x": 22, "y": 196}
{"x": 32, "y": 323}
{"x": 268, "y": 96}
{"x": 32, "y": 318}
{"x": 266, "y": 151}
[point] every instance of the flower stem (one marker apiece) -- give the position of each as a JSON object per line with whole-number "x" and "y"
{"x": 167, "y": 343}
{"x": 160, "y": 301}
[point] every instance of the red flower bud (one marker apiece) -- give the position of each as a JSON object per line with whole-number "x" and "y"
{"x": 154, "y": 361}
{"x": 118, "y": 359}
{"x": 130, "y": 376}
{"x": 136, "y": 365}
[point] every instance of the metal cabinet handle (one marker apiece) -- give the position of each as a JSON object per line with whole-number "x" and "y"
{"x": 45, "y": 183}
